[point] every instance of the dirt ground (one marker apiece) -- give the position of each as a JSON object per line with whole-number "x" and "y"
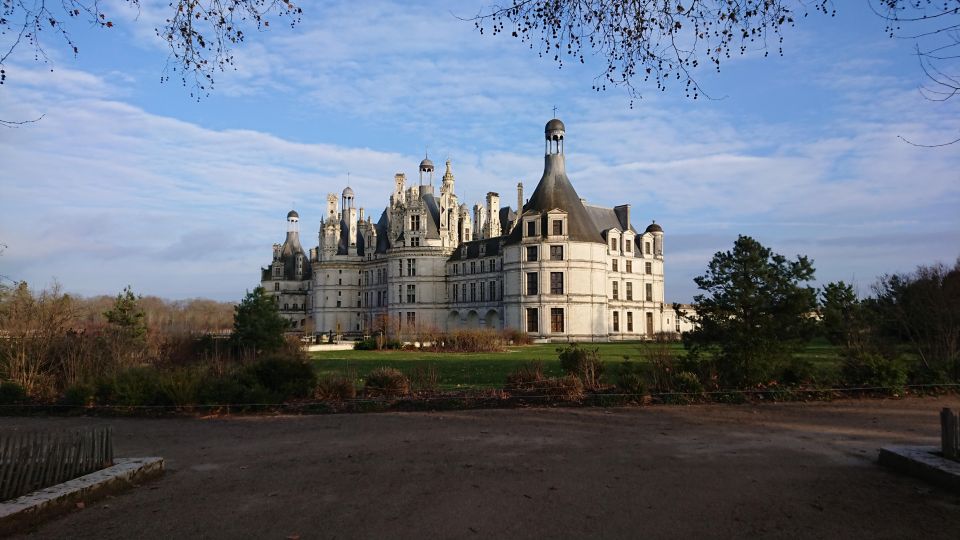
{"x": 712, "y": 471}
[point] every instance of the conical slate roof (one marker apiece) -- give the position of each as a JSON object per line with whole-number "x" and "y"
{"x": 556, "y": 192}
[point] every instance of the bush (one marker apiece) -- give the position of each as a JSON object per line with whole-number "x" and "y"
{"x": 686, "y": 387}
{"x": 386, "y": 382}
{"x": 798, "y": 371}
{"x": 79, "y": 395}
{"x": 426, "y": 378}
{"x": 277, "y": 379}
{"x": 584, "y": 363}
{"x": 139, "y": 386}
{"x": 336, "y": 388}
{"x": 874, "y": 371}
{"x": 517, "y": 337}
{"x": 11, "y": 393}
{"x": 630, "y": 380}
{"x": 529, "y": 381}
{"x": 525, "y": 375}
{"x": 181, "y": 386}
{"x": 366, "y": 344}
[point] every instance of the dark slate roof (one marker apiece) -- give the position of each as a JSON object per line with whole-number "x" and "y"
{"x": 473, "y": 249}
{"x": 607, "y": 218}
{"x": 292, "y": 214}
{"x": 653, "y": 227}
{"x": 507, "y": 217}
{"x": 433, "y": 224}
{"x": 288, "y": 254}
{"x": 383, "y": 228}
{"x": 555, "y": 191}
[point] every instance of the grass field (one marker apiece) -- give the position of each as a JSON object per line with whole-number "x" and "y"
{"x": 490, "y": 370}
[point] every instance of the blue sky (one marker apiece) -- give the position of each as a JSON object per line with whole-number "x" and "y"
{"x": 129, "y": 181}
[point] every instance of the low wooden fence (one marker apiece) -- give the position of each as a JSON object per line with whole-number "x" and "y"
{"x": 950, "y": 434}
{"x": 32, "y": 460}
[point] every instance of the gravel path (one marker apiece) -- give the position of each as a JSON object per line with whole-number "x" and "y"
{"x": 711, "y": 471}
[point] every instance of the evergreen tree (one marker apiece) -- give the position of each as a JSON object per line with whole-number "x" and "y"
{"x": 257, "y": 323}
{"x": 754, "y": 312}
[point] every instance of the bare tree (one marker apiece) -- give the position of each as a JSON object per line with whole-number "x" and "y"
{"x": 201, "y": 34}
{"x": 934, "y": 28}
{"x": 658, "y": 41}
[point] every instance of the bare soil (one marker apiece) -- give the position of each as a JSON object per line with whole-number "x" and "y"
{"x": 707, "y": 471}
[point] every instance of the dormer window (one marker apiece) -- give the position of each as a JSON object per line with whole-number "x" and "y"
{"x": 415, "y": 222}
{"x": 557, "y": 227}
{"x": 532, "y": 227}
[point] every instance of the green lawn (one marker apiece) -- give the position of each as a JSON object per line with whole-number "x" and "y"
{"x": 490, "y": 370}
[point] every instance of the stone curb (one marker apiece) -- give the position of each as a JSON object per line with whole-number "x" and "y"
{"x": 32, "y": 508}
{"x": 922, "y": 462}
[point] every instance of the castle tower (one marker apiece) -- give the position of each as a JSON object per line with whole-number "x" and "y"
{"x": 426, "y": 170}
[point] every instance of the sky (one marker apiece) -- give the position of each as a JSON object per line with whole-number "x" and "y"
{"x": 129, "y": 181}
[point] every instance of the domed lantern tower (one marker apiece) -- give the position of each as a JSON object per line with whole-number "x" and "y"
{"x": 426, "y": 169}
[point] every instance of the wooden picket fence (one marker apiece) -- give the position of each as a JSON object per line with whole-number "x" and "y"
{"x": 950, "y": 434}
{"x": 32, "y": 460}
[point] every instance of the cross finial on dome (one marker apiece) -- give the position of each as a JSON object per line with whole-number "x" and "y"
{"x": 554, "y": 111}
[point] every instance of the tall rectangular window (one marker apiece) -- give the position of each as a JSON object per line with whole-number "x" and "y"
{"x": 483, "y": 290}
{"x": 616, "y": 321}
{"x": 531, "y": 253}
{"x": 629, "y": 266}
{"x": 616, "y": 290}
{"x": 629, "y": 245}
{"x": 473, "y": 292}
{"x": 629, "y": 290}
{"x": 415, "y": 222}
{"x": 616, "y": 264}
{"x": 646, "y": 247}
{"x": 493, "y": 290}
{"x": 613, "y": 244}
{"x": 556, "y": 282}
{"x": 649, "y": 324}
{"x": 531, "y": 228}
{"x": 629, "y": 321}
{"x": 649, "y": 288}
{"x": 556, "y": 319}
{"x": 463, "y": 290}
{"x": 532, "y": 320}
{"x": 556, "y": 253}
{"x": 557, "y": 227}
{"x": 411, "y": 319}
{"x": 411, "y": 294}
{"x": 531, "y": 283}
{"x": 648, "y": 267}
{"x": 456, "y": 293}
{"x": 473, "y": 267}
{"x": 411, "y": 267}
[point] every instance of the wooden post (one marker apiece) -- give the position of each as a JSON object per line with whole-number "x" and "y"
{"x": 949, "y": 433}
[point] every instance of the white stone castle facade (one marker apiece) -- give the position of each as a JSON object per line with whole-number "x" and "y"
{"x": 554, "y": 267}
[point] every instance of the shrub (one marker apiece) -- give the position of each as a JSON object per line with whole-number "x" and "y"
{"x": 280, "y": 377}
{"x": 336, "y": 388}
{"x": 873, "y": 370}
{"x": 366, "y": 344}
{"x": 630, "y": 380}
{"x": 386, "y": 382}
{"x": 139, "y": 386}
{"x": 181, "y": 386}
{"x": 525, "y": 375}
{"x": 798, "y": 371}
{"x": 426, "y": 378}
{"x": 582, "y": 362}
{"x": 517, "y": 337}
{"x": 224, "y": 390}
{"x": 79, "y": 395}
{"x": 686, "y": 387}
{"x": 11, "y": 393}
{"x": 528, "y": 380}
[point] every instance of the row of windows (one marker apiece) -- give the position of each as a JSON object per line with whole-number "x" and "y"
{"x": 628, "y": 266}
{"x": 616, "y": 322}
{"x": 486, "y": 265}
{"x": 648, "y": 289}
{"x": 556, "y": 227}
{"x": 533, "y": 253}
{"x": 556, "y": 282}
{"x": 487, "y": 291}
{"x": 556, "y": 320}
{"x": 628, "y": 246}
